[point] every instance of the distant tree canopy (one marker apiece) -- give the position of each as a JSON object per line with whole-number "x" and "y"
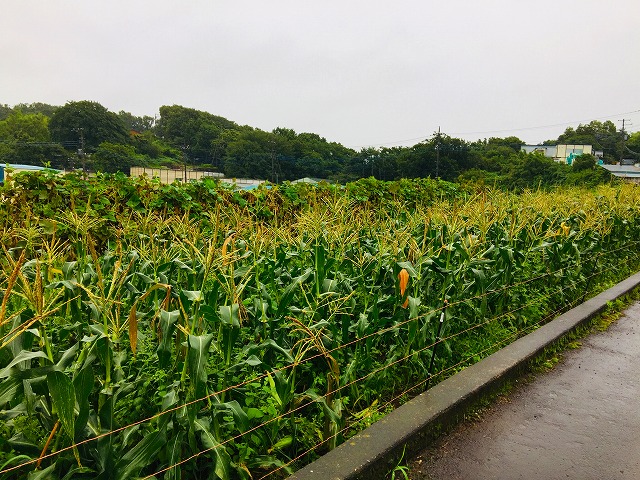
{"x": 25, "y": 139}
{"x": 534, "y": 170}
{"x": 136, "y": 124}
{"x": 602, "y": 135}
{"x": 20, "y": 127}
{"x": 632, "y": 148}
{"x": 5, "y": 111}
{"x": 584, "y": 162}
{"x": 37, "y": 107}
{"x": 90, "y": 120}
{"x": 192, "y": 130}
{"x": 113, "y": 157}
{"x": 36, "y": 133}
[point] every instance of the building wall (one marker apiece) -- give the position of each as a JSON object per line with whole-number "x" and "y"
{"x": 560, "y": 153}
{"x": 547, "y": 150}
{"x": 563, "y": 152}
{"x": 169, "y": 176}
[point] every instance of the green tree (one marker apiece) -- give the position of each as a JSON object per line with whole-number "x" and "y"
{"x": 602, "y": 135}
{"x": 361, "y": 164}
{"x": 441, "y": 156}
{"x": 632, "y": 147}
{"x": 315, "y": 157}
{"x": 20, "y": 127}
{"x": 193, "y": 130}
{"x": 284, "y": 165}
{"x": 153, "y": 148}
{"x": 250, "y": 154}
{"x": 380, "y": 163}
{"x": 281, "y": 155}
{"x": 534, "y": 170}
{"x": 137, "y": 124}
{"x": 49, "y": 154}
{"x": 584, "y": 172}
{"x": 24, "y": 138}
{"x": 512, "y": 143}
{"x": 90, "y": 120}
{"x": 5, "y": 111}
{"x": 113, "y": 157}
{"x": 584, "y": 162}
{"x": 37, "y": 107}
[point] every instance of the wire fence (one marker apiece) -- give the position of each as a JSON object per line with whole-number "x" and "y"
{"x": 393, "y": 401}
{"x": 576, "y": 289}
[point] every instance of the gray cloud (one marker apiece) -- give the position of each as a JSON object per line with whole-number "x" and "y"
{"x": 357, "y": 72}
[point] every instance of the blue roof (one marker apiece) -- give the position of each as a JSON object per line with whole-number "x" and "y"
{"x": 254, "y": 187}
{"x": 628, "y": 171}
{"x": 19, "y": 166}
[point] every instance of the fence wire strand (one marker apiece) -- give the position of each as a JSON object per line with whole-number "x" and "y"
{"x": 394, "y": 400}
{"x": 344, "y": 346}
{"x": 378, "y": 370}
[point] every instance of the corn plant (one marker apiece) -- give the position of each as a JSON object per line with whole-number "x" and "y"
{"x": 191, "y": 331}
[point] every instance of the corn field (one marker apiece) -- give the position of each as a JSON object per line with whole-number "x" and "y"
{"x": 184, "y": 332}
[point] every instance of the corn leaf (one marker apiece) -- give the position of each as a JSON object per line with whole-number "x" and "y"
{"x": 9, "y": 390}
{"x": 198, "y": 357}
{"x": 83, "y": 386}
{"x": 22, "y": 357}
{"x": 63, "y": 397}
{"x": 218, "y": 452}
{"x": 143, "y": 454}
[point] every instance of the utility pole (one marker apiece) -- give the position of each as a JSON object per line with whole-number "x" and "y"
{"x": 184, "y": 159}
{"x": 438, "y": 154}
{"x": 81, "y": 153}
{"x": 623, "y": 135}
{"x": 274, "y": 179}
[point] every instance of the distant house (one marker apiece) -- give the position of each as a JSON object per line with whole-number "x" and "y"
{"x": 166, "y": 175}
{"x": 312, "y": 181}
{"x": 12, "y": 168}
{"x": 546, "y": 150}
{"x": 561, "y": 153}
{"x": 629, "y": 173}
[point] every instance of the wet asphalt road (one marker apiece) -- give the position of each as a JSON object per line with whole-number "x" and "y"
{"x": 580, "y": 420}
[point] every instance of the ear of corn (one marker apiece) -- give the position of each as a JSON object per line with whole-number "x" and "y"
{"x": 403, "y": 278}
{"x": 307, "y": 311}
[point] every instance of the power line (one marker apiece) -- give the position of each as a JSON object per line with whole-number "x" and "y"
{"x": 40, "y": 144}
{"x": 394, "y": 142}
{"x": 506, "y": 130}
{"x": 547, "y": 126}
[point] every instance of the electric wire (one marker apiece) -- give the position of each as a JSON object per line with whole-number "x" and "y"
{"x": 487, "y": 132}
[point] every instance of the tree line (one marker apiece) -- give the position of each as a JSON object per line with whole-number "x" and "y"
{"x": 86, "y": 134}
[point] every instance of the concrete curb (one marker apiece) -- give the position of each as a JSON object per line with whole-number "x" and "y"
{"x": 372, "y": 453}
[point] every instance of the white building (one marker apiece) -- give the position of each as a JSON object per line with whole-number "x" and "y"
{"x": 167, "y": 175}
{"x": 560, "y": 153}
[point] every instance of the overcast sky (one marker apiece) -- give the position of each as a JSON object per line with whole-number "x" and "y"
{"x": 353, "y": 71}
